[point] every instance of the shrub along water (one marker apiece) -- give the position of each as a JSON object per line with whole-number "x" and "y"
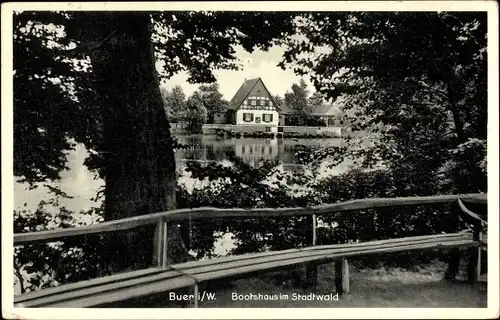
{"x": 79, "y": 258}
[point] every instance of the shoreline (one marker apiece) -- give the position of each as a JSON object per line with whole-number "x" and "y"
{"x": 263, "y": 135}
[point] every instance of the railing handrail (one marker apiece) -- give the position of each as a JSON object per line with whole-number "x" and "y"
{"x": 211, "y": 212}
{"x": 471, "y": 214}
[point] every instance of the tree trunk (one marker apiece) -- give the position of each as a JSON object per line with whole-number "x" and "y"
{"x": 457, "y": 119}
{"x": 139, "y": 160}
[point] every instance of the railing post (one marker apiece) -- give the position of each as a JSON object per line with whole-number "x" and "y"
{"x": 314, "y": 226}
{"x": 162, "y": 244}
{"x": 312, "y": 268}
{"x": 342, "y": 276}
{"x": 479, "y": 257}
{"x": 159, "y": 244}
{"x": 165, "y": 245}
{"x": 454, "y": 256}
{"x": 474, "y": 266}
{"x": 195, "y": 295}
{"x": 345, "y": 275}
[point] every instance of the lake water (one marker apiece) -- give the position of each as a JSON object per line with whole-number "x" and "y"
{"x": 206, "y": 148}
{"x": 82, "y": 184}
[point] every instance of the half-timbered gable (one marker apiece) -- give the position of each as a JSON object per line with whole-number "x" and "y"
{"x": 253, "y": 105}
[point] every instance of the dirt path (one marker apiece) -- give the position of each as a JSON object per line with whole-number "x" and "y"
{"x": 380, "y": 288}
{"x": 371, "y": 288}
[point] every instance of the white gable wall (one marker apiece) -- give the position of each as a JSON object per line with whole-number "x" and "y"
{"x": 258, "y": 114}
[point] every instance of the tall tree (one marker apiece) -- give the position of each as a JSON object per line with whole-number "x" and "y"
{"x": 297, "y": 101}
{"x": 123, "y": 123}
{"x": 196, "y": 113}
{"x": 53, "y": 99}
{"x": 421, "y": 75}
{"x": 212, "y": 100}
{"x": 278, "y": 100}
{"x": 139, "y": 165}
{"x": 316, "y": 100}
{"x": 175, "y": 103}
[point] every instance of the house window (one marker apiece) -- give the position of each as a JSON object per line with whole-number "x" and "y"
{"x": 268, "y": 129}
{"x": 248, "y": 117}
{"x": 257, "y": 120}
{"x": 243, "y": 150}
{"x": 268, "y": 117}
{"x": 258, "y": 102}
{"x": 253, "y": 102}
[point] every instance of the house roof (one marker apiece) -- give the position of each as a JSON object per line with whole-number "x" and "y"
{"x": 284, "y": 109}
{"x": 324, "y": 110}
{"x": 247, "y": 86}
{"x": 242, "y": 93}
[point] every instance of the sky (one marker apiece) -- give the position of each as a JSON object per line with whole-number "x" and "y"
{"x": 256, "y": 64}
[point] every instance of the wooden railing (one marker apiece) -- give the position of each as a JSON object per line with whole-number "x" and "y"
{"x": 168, "y": 277}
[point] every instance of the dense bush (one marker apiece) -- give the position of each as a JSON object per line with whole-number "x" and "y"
{"x": 42, "y": 265}
{"x": 241, "y": 186}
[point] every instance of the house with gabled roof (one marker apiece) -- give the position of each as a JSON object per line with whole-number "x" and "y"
{"x": 252, "y": 106}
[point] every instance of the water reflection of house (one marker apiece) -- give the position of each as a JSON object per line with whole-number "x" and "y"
{"x": 252, "y": 107}
{"x": 254, "y": 150}
{"x": 203, "y": 147}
